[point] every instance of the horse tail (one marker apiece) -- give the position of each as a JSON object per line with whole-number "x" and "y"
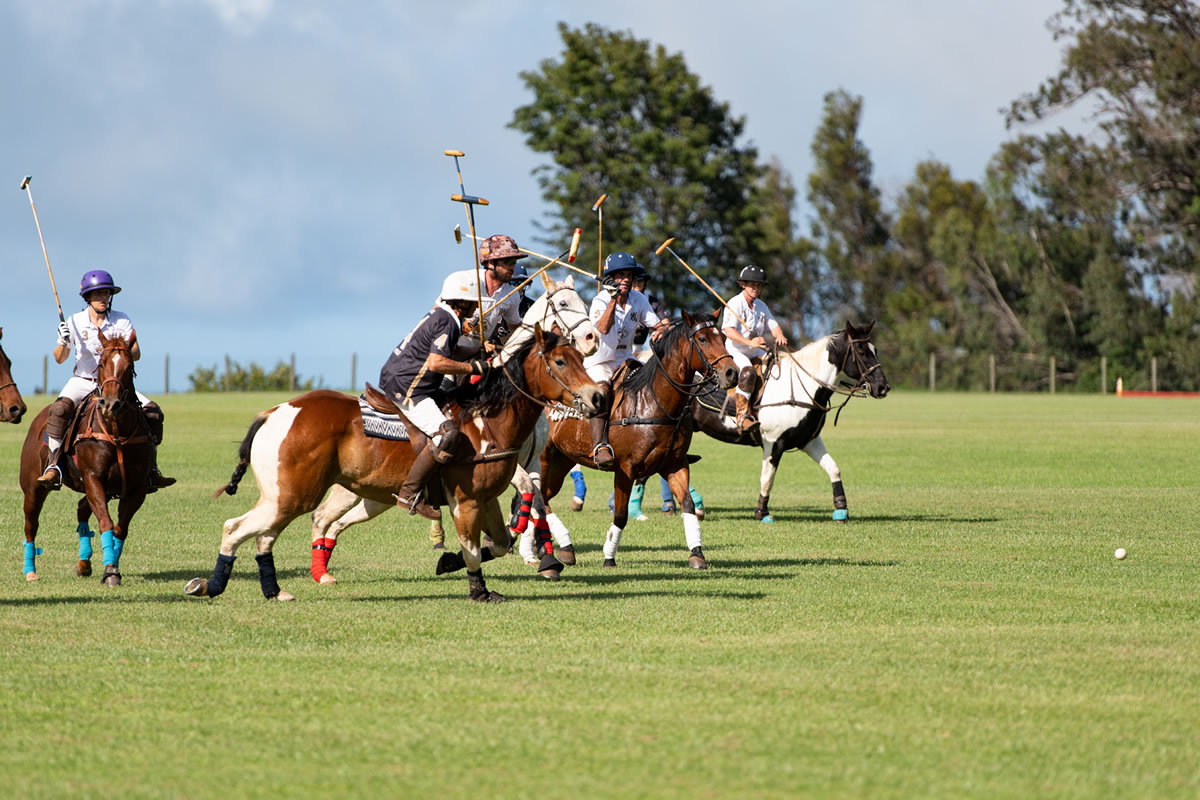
{"x": 243, "y": 458}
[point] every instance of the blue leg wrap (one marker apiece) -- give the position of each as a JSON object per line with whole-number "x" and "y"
{"x": 31, "y": 553}
{"x": 118, "y": 546}
{"x": 580, "y": 484}
{"x": 106, "y": 547}
{"x": 85, "y": 541}
{"x": 840, "y": 515}
{"x": 697, "y": 500}
{"x": 635, "y": 500}
{"x": 666, "y": 491}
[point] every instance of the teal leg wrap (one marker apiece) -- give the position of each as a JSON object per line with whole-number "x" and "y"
{"x": 118, "y": 546}
{"x": 635, "y": 500}
{"x": 85, "y": 541}
{"x": 697, "y": 500}
{"x": 106, "y": 547}
{"x": 840, "y": 515}
{"x": 31, "y": 554}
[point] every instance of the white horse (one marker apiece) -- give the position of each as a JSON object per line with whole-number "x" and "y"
{"x": 794, "y": 403}
{"x": 560, "y": 309}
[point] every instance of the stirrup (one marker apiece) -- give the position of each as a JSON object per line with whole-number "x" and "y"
{"x": 415, "y": 504}
{"x": 610, "y": 461}
{"x": 746, "y": 423}
{"x": 50, "y": 483}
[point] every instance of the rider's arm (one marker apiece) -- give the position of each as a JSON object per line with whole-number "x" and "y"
{"x": 61, "y": 352}
{"x": 605, "y": 322}
{"x": 135, "y": 349}
{"x": 448, "y": 366}
{"x": 734, "y": 335}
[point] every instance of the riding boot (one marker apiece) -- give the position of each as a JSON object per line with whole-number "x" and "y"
{"x": 154, "y": 421}
{"x": 412, "y": 494}
{"x": 57, "y": 421}
{"x": 745, "y": 388}
{"x": 602, "y": 452}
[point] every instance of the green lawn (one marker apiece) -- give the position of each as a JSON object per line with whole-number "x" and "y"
{"x": 967, "y": 634}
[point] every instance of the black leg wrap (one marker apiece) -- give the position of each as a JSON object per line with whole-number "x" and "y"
{"x": 220, "y": 576}
{"x": 450, "y": 562}
{"x": 478, "y": 589}
{"x": 760, "y": 510}
{"x": 266, "y": 574}
{"x": 839, "y": 495}
{"x": 486, "y": 554}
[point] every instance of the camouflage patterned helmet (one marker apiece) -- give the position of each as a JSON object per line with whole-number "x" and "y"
{"x": 498, "y": 248}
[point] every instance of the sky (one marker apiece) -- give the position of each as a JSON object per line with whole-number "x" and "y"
{"x": 265, "y": 178}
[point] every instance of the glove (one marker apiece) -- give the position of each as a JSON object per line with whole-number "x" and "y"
{"x": 64, "y": 333}
{"x": 478, "y": 366}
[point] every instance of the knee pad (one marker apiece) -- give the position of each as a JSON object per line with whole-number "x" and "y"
{"x": 154, "y": 418}
{"x": 746, "y": 380}
{"x": 61, "y": 411}
{"x": 444, "y": 451}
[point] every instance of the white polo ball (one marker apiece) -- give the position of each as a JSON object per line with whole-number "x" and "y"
{"x": 1119, "y": 553}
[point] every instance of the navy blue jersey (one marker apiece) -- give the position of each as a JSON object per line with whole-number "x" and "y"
{"x": 406, "y": 374}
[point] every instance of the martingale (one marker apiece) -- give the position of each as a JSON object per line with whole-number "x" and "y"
{"x": 558, "y": 412}
{"x": 378, "y": 425}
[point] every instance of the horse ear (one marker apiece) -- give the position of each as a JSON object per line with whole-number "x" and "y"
{"x": 870, "y": 327}
{"x": 849, "y": 328}
{"x": 103, "y": 339}
{"x": 716, "y": 314}
{"x": 547, "y": 282}
{"x": 538, "y": 336}
{"x": 688, "y": 319}
{"x": 569, "y": 282}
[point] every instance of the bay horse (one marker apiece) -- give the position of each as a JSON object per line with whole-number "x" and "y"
{"x": 301, "y": 448}
{"x": 12, "y": 407}
{"x": 113, "y": 456}
{"x": 560, "y": 310}
{"x": 650, "y": 426}
{"x": 796, "y": 399}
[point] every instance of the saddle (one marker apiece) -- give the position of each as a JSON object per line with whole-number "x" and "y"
{"x": 762, "y": 370}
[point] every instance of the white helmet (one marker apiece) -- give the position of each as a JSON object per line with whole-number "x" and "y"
{"x": 460, "y": 286}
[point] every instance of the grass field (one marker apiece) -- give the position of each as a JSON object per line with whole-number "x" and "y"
{"x": 967, "y": 634}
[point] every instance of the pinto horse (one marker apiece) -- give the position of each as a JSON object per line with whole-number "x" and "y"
{"x": 114, "y": 454}
{"x": 559, "y": 310}
{"x": 12, "y": 407}
{"x": 795, "y": 401}
{"x": 650, "y": 426}
{"x": 301, "y": 448}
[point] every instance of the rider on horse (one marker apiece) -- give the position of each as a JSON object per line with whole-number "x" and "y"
{"x": 617, "y": 310}
{"x": 504, "y": 330}
{"x": 746, "y": 343}
{"x": 80, "y": 331}
{"x": 498, "y": 254}
{"x": 413, "y": 374}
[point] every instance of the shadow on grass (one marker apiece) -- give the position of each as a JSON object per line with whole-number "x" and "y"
{"x": 758, "y": 563}
{"x": 108, "y": 596}
{"x": 251, "y": 574}
{"x": 509, "y": 596}
{"x": 822, "y": 514}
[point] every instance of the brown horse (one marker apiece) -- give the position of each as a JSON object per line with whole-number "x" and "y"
{"x": 650, "y": 426}
{"x": 12, "y": 407}
{"x": 303, "y": 447}
{"x": 113, "y": 458}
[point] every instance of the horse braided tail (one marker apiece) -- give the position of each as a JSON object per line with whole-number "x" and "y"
{"x": 243, "y": 458}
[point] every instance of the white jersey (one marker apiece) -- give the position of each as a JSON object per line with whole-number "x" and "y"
{"x": 617, "y": 344}
{"x": 758, "y": 316}
{"x": 509, "y": 311}
{"x": 86, "y": 339}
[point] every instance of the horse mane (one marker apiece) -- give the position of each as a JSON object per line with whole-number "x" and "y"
{"x": 495, "y": 391}
{"x": 642, "y": 378}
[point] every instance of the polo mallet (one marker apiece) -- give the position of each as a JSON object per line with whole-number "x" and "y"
{"x": 569, "y": 252}
{"x": 470, "y": 201}
{"x": 25, "y": 187}
{"x": 598, "y": 207}
{"x": 667, "y": 246}
{"x": 551, "y": 259}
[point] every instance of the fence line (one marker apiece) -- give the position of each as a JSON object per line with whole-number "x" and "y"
{"x": 1020, "y": 368}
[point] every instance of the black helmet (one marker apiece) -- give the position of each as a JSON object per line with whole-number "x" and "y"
{"x": 753, "y": 273}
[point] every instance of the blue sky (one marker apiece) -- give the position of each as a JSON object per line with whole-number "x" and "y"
{"x": 265, "y": 177}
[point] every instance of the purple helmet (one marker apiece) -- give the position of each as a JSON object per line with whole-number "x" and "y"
{"x": 96, "y": 279}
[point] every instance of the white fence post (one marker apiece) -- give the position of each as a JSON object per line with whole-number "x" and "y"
{"x": 1103, "y": 374}
{"x": 932, "y": 372}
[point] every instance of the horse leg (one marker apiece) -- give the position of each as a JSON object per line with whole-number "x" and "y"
{"x": 817, "y": 452}
{"x": 113, "y": 546}
{"x": 110, "y": 545}
{"x": 555, "y": 466}
{"x": 35, "y": 498}
{"x": 680, "y": 481}
{"x": 265, "y": 517}
{"x": 83, "y": 513}
{"x": 266, "y": 568}
{"x": 622, "y": 486}
{"x": 468, "y": 521}
{"x": 772, "y": 452}
{"x": 341, "y": 509}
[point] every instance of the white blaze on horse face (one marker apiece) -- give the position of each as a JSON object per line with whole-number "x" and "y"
{"x": 483, "y": 442}
{"x": 264, "y": 453}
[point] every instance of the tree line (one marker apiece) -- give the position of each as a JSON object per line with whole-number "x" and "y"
{"x": 1071, "y": 246}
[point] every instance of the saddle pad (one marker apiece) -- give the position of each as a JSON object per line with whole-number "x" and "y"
{"x": 381, "y": 426}
{"x": 559, "y": 412}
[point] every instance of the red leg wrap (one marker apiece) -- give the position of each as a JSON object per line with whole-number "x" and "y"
{"x": 523, "y": 512}
{"x": 322, "y": 549}
{"x": 541, "y": 530}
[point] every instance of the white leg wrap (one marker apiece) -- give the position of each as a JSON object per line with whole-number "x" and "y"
{"x": 558, "y": 530}
{"x": 691, "y": 530}
{"x": 611, "y": 540}
{"x": 525, "y": 548}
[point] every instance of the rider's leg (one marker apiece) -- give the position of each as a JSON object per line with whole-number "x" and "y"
{"x": 745, "y": 386}
{"x": 61, "y": 411}
{"x": 602, "y": 452}
{"x": 443, "y": 436}
{"x": 154, "y": 420}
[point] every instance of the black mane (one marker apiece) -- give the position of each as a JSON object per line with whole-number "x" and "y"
{"x": 495, "y": 391}
{"x": 642, "y": 378}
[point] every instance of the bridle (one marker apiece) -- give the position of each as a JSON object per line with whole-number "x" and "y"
{"x": 123, "y": 389}
{"x": 544, "y": 356}
{"x": 691, "y": 389}
{"x": 552, "y": 310}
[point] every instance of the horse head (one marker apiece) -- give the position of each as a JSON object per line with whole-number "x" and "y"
{"x": 567, "y": 315}
{"x": 12, "y": 407}
{"x": 114, "y": 376}
{"x": 554, "y": 373}
{"x": 859, "y": 363}
{"x": 708, "y": 355}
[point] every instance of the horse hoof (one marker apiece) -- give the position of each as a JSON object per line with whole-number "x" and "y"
{"x": 327, "y": 580}
{"x": 566, "y": 554}
{"x": 767, "y": 520}
{"x": 641, "y": 518}
{"x": 439, "y": 546}
{"x": 696, "y": 560}
{"x": 450, "y": 562}
{"x": 610, "y": 562}
{"x": 840, "y": 515}
{"x": 576, "y": 504}
{"x": 31, "y": 576}
{"x": 196, "y": 587}
{"x": 284, "y": 597}
{"x": 83, "y": 569}
{"x": 699, "y": 513}
{"x": 487, "y": 597}
{"x": 531, "y": 562}
{"x": 111, "y": 577}
{"x": 550, "y": 574}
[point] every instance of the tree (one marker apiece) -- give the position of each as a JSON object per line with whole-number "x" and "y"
{"x": 247, "y": 379}
{"x": 618, "y": 116}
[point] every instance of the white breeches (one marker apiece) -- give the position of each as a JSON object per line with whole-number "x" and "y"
{"x": 425, "y": 414}
{"x": 77, "y": 390}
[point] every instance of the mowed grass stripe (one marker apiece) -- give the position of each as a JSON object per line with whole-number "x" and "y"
{"x": 967, "y": 634}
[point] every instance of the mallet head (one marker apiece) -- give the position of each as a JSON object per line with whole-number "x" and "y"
{"x": 458, "y": 234}
{"x": 469, "y": 199}
{"x": 596, "y": 205}
{"x": 664, "y": 246}
{"x": 455, "y": 153}
{"x": 574, "y": 246}
{"x": 25, "y": 182}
